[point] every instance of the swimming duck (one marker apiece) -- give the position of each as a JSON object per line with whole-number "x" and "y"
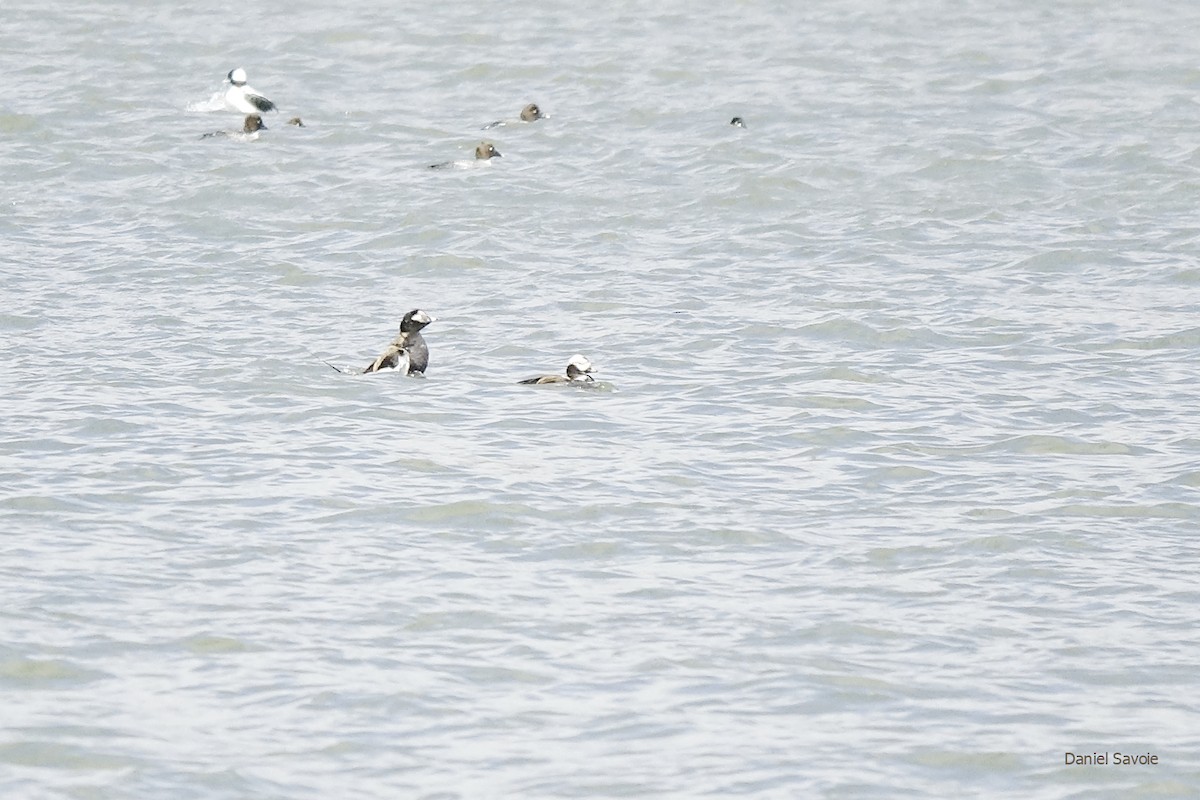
{"x": 530, "y": 113}
{"x": 408, "y": 351}
{"x": 483, "y": 152}
{"x": 243, "y": 98}
{"x": 251, "y": 127}
{"x": 579, "y": 370}
{"x": 737, "y": 122}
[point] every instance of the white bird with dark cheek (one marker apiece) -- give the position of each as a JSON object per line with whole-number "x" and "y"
{"x": 242, "y": 98}
{"x": 579, "y": 370}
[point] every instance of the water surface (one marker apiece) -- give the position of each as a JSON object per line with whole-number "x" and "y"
{"x": 889, "y": 490}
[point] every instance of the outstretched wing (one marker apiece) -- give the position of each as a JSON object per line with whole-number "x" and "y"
{"x": 392, "y": 358}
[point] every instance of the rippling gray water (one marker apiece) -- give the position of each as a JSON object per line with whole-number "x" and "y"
{"x": 889, "y": 488}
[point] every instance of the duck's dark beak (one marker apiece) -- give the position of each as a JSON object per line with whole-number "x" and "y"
{"x": 497, "y": 154}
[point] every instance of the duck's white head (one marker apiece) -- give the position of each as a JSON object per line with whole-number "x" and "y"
{"x": 237, "y": 76}
{"x": 579, "y": 368}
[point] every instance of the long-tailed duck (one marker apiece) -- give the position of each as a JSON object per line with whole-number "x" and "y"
{"x": 243, "y": 98}
{"x": 530, "y": 113}
{"x": 483, "y": 152}
{"x": 408, "y": 351}
{"x": 579, "y": 370}
{"x": 250, "y": 128}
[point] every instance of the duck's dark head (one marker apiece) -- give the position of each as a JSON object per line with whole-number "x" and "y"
{"x": 415, "y": 320}
{"x": 486, "y": 150}
{"x": 531, "y": 112}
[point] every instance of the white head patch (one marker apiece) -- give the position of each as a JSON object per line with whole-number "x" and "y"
{"x": 580, "y": 363}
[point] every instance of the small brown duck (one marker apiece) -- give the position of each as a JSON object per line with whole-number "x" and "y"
{"x": 484, "y": 151}
{"x": 251, "y": 127}
{"x": 530, "y": 113}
